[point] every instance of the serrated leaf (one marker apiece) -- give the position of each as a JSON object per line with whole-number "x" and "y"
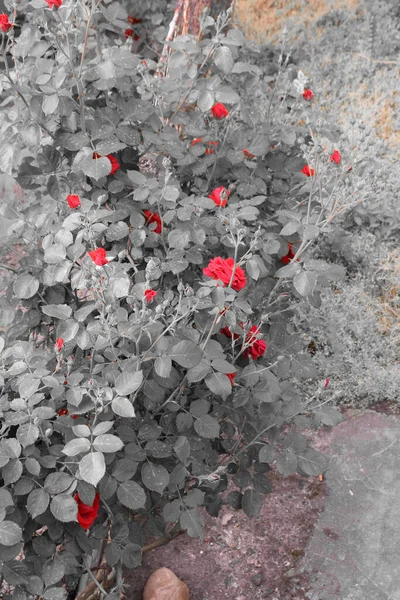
{"x": 186, "y": 353}
{"x": 123, "y": 407}
{"x": 10, "y": 533}
{"x": 290, "y": 228}
{"x": 286, "y": 463}
{"x": 206, "y": 100}
{"x": 305, "y": 282}
{"x": 311, "y": 462}
{"x": 182, "y": 448}
{"x": 207, "y": 426}
{"x": 64, "y": 508}
{"x": 163, "y": 366}
{"x": 27, "y": 434}
{"x": 155, "y": 477}
{"x": 53, "y": 572}
{"x": 58, "y": 482}
{"x": 266, "y": 454}
{"x": 108, "y": 443}
{"x": 223, "y": 58}
{"x": 131, "y": 495}
{"x": 219, "y": 384}
{"x": 37, "y": 502}
{"x": 25, "y": 286}
{"x": 92, "y": 467}
{"x": 192, "y": 522}
{"x": 59, "y": 311}
{"x": 251, "y": 503}
{"x": 128, "y": 382}
{"x": 76, "y": 446}
{"x": 55, "y": 593}
{"x": 5, "y": 498}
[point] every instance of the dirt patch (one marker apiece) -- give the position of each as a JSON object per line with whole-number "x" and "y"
{"x": 265, "y": 19}
{"x": 243, "y": 558}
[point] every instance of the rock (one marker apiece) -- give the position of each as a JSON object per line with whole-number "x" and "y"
{"x": 163, "y": 584}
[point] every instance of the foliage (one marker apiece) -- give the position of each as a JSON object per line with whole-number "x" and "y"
{"x": 355, "y": 334}
{"x": 116, "y": 377}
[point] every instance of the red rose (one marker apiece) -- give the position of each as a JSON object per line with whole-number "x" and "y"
{"x": 5, "y": 24}
{"x": 59, "y": 344}
{"x": 56, "y": 3}
{"x": 336, "y": 157}
{"x": 73, "y": 201}
{"x": 153, "y": 218}
{"x": 196, "y": 141}
{"x": 248, "y": 154}
{"x": 134, "y": 20}
{"x": 219, "y": 110}
{"x": 289, "y": 256}
{"x": 136, "y": 37}
{"x": 256, "y": 347}
{"x": 308, "y": 171}
{"x": 98, "y": 256}
{"x": 222, "y": 268}
{"x": 308, "y": 95}
{"x": 149, "y": 295}
{"x": 209, "y": 149}
{"x": 220, "y": 196}
{"x": 128, "y": 32}
{"x": 231, "y": 377}
{"x": 115, "y": 165}
{"x": 62, "y": 412}
{"x": 87, "y": 514}
{"x": 226, "y": 331}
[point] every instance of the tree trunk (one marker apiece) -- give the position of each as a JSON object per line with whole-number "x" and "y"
{"x": 194, "y": 8}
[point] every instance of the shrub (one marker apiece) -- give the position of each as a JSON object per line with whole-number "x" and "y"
{"x": 355, "y": 335}
{"x": 147, "y": 352}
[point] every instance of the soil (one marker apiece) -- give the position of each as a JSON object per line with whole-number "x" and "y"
{"x": 243, "y": 558}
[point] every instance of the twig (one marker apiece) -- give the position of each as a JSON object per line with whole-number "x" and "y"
{"x": 170, "y": 36}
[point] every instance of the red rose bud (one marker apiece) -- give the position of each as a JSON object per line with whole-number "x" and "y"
{"x": 336, "y": 157}
{"x": 56, "y": 3}
{"x": 136, "y": 37}
{"x": 222, "y": 268}
{"x": 115, "y": 165}
{"x": 196, "y": 141}
{"x": 220, "y": 196}
{"x": 153, "y": 218}
{"x": 308, "y": 171}
{"x": 128, "y": 33}
{"x": 134, "y": 20}
{"x": 87, "y": 514}
{"x": 256, "y": 347}
{"x": 325, "y": 384}
{"x": 231, "y": 377}
{"x": 289, "y": 256}
{"x": 59, "y": 344}
{"x": 219, "y": 110}
{"x": 73, "y": 201}
{"x": 308, "y": 95}
{"x": 98, "y": 256}
{"x": 62, "y": 412}
{"x": 248, "y": 154}
{"x": 149, "y": 295}
{"x": 5, "y": 24}
{"x": 228, "y": 333}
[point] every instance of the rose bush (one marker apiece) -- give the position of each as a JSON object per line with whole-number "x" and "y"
{"x": 125, "y": 404}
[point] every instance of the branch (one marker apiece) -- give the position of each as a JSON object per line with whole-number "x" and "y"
{"x": 170, "y": 36}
